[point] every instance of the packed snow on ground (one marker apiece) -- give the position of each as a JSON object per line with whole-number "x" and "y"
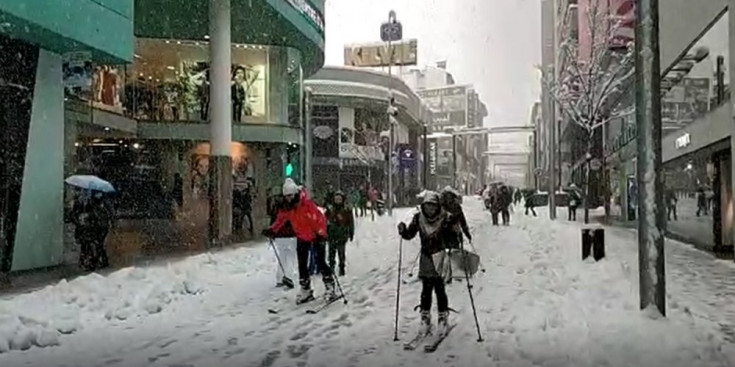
{"x": 538, "y": 304}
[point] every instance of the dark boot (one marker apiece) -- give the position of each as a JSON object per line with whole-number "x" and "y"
{"x": 306, "y": 294}
{"x": 425, "y": 327}
{"x": 329, "y": 292}
{"x": 341, "y": 271}
{"x": 442, "y": 325}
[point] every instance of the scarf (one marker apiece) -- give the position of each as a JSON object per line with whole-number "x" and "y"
{"x": 431, "y": 226}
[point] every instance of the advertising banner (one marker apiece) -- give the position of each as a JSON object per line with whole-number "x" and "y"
{"x": 77, "y": 70}
{"x": 686, "y": 101}
{"x": 448, "y": 106}
{"x": 444, "y": 157}
{"x": 108, "y": 88}
{"x": 349, "y": 148}
{"x": 376, "y": 54}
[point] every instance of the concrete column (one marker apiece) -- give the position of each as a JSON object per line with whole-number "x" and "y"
{"x": 220, "y": 162}
{"x": 731, "y": 67}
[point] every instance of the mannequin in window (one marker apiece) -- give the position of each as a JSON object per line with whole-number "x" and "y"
{"x": 238, "y": 93}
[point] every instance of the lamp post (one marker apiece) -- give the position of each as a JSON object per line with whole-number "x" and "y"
{"x": 651, "y": 211}
{"x": 390, "y": 32}
{"x": 308, "y": 142}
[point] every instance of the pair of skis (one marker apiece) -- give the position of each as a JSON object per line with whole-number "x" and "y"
{"x": 431, "y": 344}
{"x": 323, "y": 304}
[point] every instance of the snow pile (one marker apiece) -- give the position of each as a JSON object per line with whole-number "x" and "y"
{"x": 41, "y": 317}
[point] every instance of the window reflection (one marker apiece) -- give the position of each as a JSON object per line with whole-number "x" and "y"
{"x": 697, "y": 84}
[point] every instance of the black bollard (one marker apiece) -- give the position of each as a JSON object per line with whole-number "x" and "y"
{"x": 586, "y": 243}
{"x": 598, "y": 244}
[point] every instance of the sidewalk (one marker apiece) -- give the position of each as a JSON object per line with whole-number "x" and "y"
{"x": 538, "y": 304}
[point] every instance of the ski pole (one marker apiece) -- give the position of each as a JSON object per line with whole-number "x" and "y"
{"x": 339, "y": 286}
{"x": 413, "y": 265}
{"x": 280, "y": 263}
{"x": 469, "y": 290}
{"x": 398, "y": 288}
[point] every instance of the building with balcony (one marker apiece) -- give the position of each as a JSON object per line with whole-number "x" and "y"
{"x": 44, "y": 53}
{"x": 144, "y": 124}
{"x": 351, "y": 130}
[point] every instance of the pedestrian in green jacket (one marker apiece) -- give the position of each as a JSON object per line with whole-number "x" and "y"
{"x": 340, "y": 229}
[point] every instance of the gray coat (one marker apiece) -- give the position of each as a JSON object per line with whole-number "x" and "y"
{"x": 433, "y": 234}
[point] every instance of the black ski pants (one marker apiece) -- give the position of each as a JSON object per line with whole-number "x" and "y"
{"x": 302, "y": 253}
{"x": 506, "y": 216}
{"x": 434, "y": 285}
{"x": 337, "y": 248}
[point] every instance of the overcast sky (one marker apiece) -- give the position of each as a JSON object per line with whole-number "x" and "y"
{"x": 493, "y": 44}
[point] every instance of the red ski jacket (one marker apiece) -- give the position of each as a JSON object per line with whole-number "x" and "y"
{"x": 307, "y": 220}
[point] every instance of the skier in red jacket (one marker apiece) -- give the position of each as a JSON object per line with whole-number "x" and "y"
{"x": 310, "y": 227}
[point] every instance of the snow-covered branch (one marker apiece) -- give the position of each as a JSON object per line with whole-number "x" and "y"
{"x": 593, "y": 70}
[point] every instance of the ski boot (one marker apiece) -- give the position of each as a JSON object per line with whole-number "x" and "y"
{"x": 329, "y": 293}
{"x": 306, "y": 294}
{"x": 425, "y": 327}
{"x": 442, "y": 325}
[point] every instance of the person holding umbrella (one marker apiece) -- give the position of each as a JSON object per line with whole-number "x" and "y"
{"x": 92, "y": 217}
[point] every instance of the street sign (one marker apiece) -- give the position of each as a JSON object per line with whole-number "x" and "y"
{"x": 391, "y": 31}
{"x": 408, "y": 157}
{"x": 595, "y": 164}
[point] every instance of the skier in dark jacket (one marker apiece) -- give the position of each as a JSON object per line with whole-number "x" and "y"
{"x": 433, "y": 225}
{"x": 451, "y": 203}
{"x": 340, "y": 229}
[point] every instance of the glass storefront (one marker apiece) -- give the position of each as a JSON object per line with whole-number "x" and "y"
{"x": 169, "y": 82}
{"x": 697, "y": 185}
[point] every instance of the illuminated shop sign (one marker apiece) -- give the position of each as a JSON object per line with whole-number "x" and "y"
{"x": 310, "y": 12}
{"x": 683, "y": 141}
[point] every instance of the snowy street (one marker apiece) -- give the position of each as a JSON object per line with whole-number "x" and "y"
{"x": 538, "y": 305}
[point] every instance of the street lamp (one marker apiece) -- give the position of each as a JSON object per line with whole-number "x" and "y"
{"x": 390, "y": 32}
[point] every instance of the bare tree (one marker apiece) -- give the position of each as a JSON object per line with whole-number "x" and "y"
{"x": 593, "y": 73}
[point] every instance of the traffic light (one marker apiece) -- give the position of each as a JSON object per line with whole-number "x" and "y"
{"x": 289, "y": 169}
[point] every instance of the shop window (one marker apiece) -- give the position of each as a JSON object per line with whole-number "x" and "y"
{"x": 170, "y": 80}
{"x": 100, "y": 85}
{"x": 699, "y": 82}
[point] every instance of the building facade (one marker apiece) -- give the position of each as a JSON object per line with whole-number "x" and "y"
{"x": 350, "y": 131}
{"x": 43, "y": 52}
{"x": 455, "y": 154}
{"x": 696, "y": 57}
{"x": 141, "y": 117}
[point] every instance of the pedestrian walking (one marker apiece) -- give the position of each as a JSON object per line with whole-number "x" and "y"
{"x": 530, "y": 205}
{"x": 310, "y": 226}
{"x": 92, "y": 217}
{"x": 340, "y": 229}
{"x": 506, "y": 199}
{"x": 573, "y": 203}
{"x": 671, "y": 202}
{"x": 701, "y": 201}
